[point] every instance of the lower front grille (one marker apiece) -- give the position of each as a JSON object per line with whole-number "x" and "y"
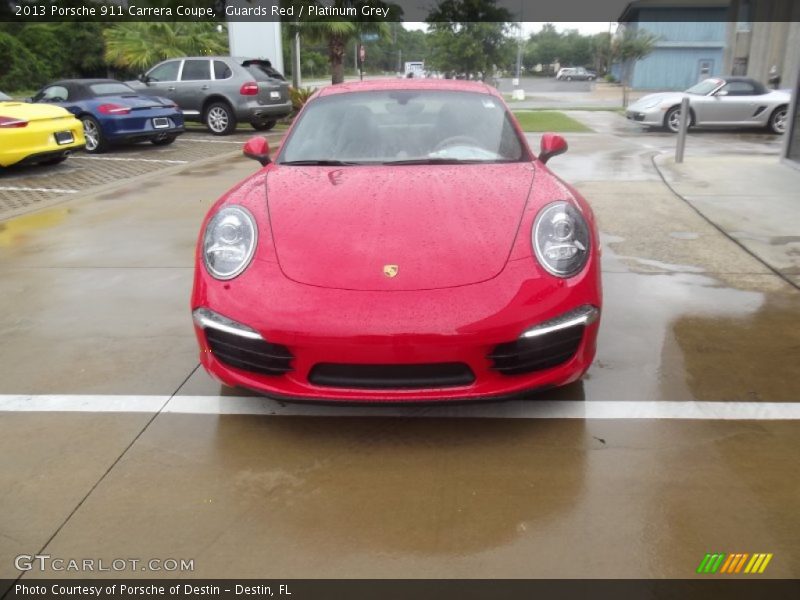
{"x": 387, "y": 377}
{"x": 256, "y": 356}
{"x": 527, "y": 355}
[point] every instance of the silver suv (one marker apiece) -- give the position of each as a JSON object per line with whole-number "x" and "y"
{"x": 220, "y": 91}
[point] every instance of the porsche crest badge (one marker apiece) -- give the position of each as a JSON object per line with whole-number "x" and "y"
{"x": 390, "y": 270}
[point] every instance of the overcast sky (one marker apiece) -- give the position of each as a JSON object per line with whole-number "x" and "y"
{"x": 529, "y": 27}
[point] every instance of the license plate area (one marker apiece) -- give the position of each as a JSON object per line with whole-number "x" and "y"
{"x": 161, "y": 123}
{"x": 64, "y": 137}
{"x": 274, "y": 95}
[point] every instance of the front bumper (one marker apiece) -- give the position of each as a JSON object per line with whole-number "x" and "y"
{"x": 652, "y": 117}
{"x": 310, "y": 329}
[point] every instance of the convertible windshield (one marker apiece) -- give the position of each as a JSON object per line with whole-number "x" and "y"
{"x": 403, "y": 127}
{"x": 705, "y": 87}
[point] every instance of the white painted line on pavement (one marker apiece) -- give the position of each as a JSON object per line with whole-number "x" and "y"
{"x": 213, "y": 142}
{"x": 522, "y": 409}
{"x": 147, "y": 160}
{"x": 29, "y": 189}
{"x": 78, "y": 403}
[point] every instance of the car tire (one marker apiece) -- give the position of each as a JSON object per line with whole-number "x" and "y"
{"x": 95, "y": 140}
{"x": 777, "y": 121}
{"x": 263, "y": 125}
{"x": 569, "y": 78}
{"x": 220, "y": 118}
{"x": 164, "y": 140}
{"x": 672, "y": 120}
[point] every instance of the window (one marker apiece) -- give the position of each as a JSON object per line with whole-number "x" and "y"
{"x": 55, "y": 93}
{"x": 404, "y": 126}
{"x": 110, "y": 89}
{"x": 195, "y": 70}
{"x": 167, "y": 71}
{"x": 221, "y": 70}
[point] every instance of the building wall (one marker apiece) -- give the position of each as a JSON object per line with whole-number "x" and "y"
{"x": 686, "y": 36}
{"x": 763, "y": 34}
{"x": 675, "y": 68}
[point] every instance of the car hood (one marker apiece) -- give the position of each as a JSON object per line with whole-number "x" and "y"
{"x": 440, "y": 226}
{"x": 32, "y": 112}
{"x": 659, "y": 98}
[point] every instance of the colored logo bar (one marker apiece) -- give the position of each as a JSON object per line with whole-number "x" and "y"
{"x": 731, "y": 564}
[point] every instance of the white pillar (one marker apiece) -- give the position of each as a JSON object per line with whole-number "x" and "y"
{"x": 256, "y": 39}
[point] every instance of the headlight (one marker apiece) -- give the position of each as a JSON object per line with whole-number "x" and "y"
{"x": 561, "y": 239}
{"x": 229, "y": 242}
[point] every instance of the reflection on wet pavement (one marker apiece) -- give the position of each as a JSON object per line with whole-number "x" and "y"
{"x": 258, "y": 496}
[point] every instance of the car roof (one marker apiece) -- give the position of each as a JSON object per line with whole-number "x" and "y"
{"x": 448, "y": 85}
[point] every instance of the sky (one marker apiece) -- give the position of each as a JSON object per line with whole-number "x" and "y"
{"x": 530, "y": 27}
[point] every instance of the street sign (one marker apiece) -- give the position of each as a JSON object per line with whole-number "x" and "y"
{"x": 362, "y": 53}
{"x": 369, "y": 37}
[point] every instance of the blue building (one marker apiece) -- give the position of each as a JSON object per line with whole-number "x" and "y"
{"x": 691, "y": 42}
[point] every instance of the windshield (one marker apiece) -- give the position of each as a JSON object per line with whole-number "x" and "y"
{"x": 403, "y": 126}
{"x": 113, "y": 88}
{"x": 705, "y": 87}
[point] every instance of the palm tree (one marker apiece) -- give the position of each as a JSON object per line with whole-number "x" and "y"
{"x": 136, "y": 46}
{"x": 631, "y": 46}
{"x": 337, "y": 32}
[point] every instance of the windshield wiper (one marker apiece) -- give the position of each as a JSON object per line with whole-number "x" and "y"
{"x": 435, "y": 161}
{"x": 319, "y": 162}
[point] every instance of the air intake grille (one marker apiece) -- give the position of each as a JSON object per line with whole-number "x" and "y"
{"x": 387, "y": 377}
{"x": 527, "y": 355}
{"x": 256, "y": 356}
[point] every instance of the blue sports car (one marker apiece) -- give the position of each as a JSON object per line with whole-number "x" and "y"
{"x": 113, "y": 113}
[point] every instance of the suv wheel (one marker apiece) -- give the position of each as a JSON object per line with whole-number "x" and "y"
{"x": 569, "y": 78}
{"x": 263, "y": 125}
{"x": 219, "y": 119}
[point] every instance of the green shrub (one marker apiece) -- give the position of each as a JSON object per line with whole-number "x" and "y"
{"x": 300, "y": 96}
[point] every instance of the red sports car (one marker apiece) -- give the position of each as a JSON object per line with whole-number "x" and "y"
{"x": 404, "y": 245}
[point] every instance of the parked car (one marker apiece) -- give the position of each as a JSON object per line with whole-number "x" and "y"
{"x": 220, "y": 91}
{"x": 576, "y": 73}
{"x": 113, "y": 113}
{"x": 405, "y": 245}
{"x": 718, "y": 101}
{"x": 36, "y": 134}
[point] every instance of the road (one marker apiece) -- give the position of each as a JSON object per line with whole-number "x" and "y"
{"x": 682, "y": 438}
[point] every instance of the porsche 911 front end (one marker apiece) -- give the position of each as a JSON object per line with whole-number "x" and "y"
{"x": 417, "y": 257}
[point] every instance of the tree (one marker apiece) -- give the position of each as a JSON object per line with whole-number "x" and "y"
{"x": 469, "y": 37}
{"x": 137, "y": 46}
{"x": 337, "y": 31}
{"x": 628, "y": 47}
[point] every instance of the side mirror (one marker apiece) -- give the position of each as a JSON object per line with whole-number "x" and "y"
{"x": 552, "y": 145}
{"x": 722, "y": 93}
{"x": 143, "y": 78}
{"x": 257, "y": 148}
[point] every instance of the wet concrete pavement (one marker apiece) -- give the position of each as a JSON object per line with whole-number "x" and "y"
{"x": 96, "y": 307}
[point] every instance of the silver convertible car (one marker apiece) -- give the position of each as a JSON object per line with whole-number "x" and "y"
{"x": 719, "y": 101}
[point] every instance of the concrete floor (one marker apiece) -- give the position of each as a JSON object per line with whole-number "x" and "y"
{"x": 96, "y": 307}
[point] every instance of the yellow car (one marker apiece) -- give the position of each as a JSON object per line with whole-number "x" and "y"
{"x": 36, "y": 133}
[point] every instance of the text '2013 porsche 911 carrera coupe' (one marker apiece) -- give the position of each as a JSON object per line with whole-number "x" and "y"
{"x": 404, "y": 245}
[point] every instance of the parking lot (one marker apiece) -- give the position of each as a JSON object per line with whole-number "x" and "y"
{"x": 682, "y": 438}
{"x": 24, "y": 189}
